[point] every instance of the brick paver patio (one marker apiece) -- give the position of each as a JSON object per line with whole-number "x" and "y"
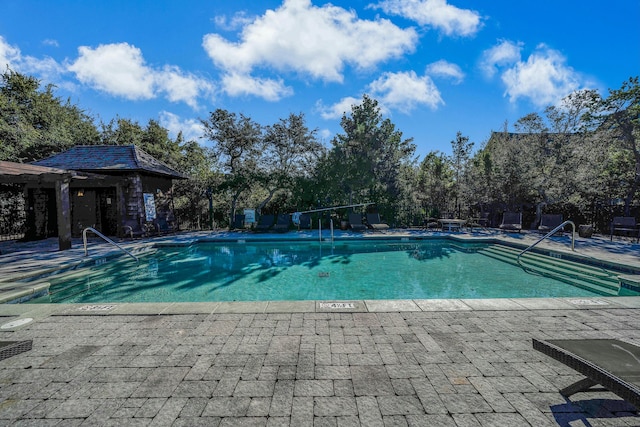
{"x": 439, "y": 368}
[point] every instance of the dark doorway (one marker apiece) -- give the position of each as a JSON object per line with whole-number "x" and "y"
{"x": 83, "y": 210}
{"x": 108, "y": 212}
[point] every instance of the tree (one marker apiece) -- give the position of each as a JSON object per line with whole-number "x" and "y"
{"x": 618, "y": 121}
{"x": 198, "y": 163}
{"x": 435, "y": 182}
{"x": 291, "y": 152}
{"x": 366, "y": 161}
{"x": 237, "y": 144}
{"x": 461, "y": 152}
{"x": 35, "y": 124}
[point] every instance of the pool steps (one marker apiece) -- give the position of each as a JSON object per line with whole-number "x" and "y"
{"x": 593, "y": 278}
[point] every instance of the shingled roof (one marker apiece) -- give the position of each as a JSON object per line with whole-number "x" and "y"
{"x": 106, "y": 158}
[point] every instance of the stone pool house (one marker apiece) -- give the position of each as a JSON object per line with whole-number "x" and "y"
{"x": 118, "y": 190}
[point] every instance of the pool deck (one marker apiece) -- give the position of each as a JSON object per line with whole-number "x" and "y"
{"x": 304, "y": 363}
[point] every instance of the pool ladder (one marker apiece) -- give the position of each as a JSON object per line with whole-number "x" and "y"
{"x": 106, "y": 239}
{"x": 551, "y": 233}
{"x": 320, "y": 229}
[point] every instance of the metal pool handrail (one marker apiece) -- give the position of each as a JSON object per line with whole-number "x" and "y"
{"x": 105, "y": 238}
{"x": 552, "y": 232}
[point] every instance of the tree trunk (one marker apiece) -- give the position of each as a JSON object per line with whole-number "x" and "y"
{"x": 267, "y": 200}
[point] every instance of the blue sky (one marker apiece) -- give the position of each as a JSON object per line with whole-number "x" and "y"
{"x": 436, "y": 66}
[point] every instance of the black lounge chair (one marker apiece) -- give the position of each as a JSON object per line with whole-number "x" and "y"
{"x": 611, "y": 363}
{"x": 265, "y": 222}
{"x": 373, "y": 219}
{"x": 305, "y": 222}
{"x": 238, "y": 221}
{"x": 548, "y": 222}
{"x": 282, "y": 223}
{"x": 511, "y": 221}
{"x": 355, "y": 222}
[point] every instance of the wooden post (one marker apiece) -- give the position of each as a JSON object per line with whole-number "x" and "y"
{"x": 63, "y": 206}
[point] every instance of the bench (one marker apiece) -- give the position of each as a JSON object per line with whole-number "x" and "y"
{"x": 625, "y": 224}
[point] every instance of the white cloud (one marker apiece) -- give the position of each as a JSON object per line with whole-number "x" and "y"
{"x": 46, "y": 69}
{"x": 235, "y": 84}
{"x": 192, "y": 129}
{"x": 337, "y": 110}
{"x": 120, "y": 70}
{"x": 9, "y": 55}
{"x": 450, "y": 20}
{"x": 404, "y": 91}
{"x": 50, "y": 42}
{"x": 182, "y": 87}
{"x": 544, "y": 78}
{"x": 446, "y": 69}
{"x": 236, "y": 22}
{"x": 504, "y": 53}
{"x": 313, "y": 41}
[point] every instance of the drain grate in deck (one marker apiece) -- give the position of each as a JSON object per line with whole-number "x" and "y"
{"x": 11, "y": 348}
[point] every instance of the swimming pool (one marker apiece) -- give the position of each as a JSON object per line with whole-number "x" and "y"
{"x": 271, "y": 271}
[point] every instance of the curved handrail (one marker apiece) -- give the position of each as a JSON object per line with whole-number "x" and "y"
{"x": 105, "y": 238}
{"x": 551, "y": 233}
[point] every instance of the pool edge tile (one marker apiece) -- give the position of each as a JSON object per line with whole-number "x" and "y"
{"x": 442, "y": 305}
{"x": 191, "y": 308}
{"x": 494, "y": 304}
{"x": 290, "y": 307}
{"x": 241, "y": 307}
{"x": 391, "y": 305}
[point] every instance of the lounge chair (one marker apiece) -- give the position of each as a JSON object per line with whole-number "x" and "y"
{"x": 238, "y": 221}
{"x": 511, "y": 221}
{"x": 305, "y": 222}
{"x": 611, "y": 363}
{"x": 355, "y": 222}
{"x": 373, "y": 219}
{"x": 282, "y": 223}
{"x": 265, "y": 222}
{"x": 548, "y": 222}
{"x": 431, "y": 223}
{"x": 625, "y": 224}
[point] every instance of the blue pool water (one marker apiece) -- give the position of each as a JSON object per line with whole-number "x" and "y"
{"x": 305, "y": 271}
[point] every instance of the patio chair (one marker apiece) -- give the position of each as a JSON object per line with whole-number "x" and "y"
{"x": 626, "y": 225}
{"x": 373, "y": 219}
{"x": 163, "y": 226}
{"x": 613, "y": 364}
{"x": 548, "y": 222}
{"x": 132, "y": 228}
{"x": 355, "y": 222}
{"x": 265, "y": 222}
{"x": 479, "y": 222}
{"x": 511, "y": 221}
{"x": 282, "y": 223}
